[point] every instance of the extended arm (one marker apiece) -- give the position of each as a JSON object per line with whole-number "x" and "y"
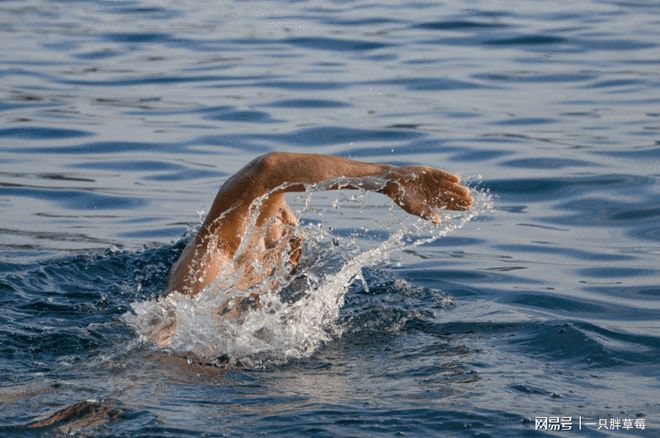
{"x": 416, "y": 189}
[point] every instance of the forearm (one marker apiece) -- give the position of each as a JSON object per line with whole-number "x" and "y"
{"x": 293, "y": 171}
{"x": 287, "y": 172}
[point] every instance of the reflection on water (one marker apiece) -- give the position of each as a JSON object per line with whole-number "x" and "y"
{"x": 120, "y": 119}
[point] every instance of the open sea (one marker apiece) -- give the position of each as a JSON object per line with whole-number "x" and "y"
{"x": 540, "y": 309}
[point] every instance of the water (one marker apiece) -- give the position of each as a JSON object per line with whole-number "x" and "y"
{"x": 120, "y": 119}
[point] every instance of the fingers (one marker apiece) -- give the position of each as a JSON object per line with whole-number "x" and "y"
{"x": 455, "y": 201}
{"x": 445, "y": 177}
{"x": 451, "y": 196}
{"x": 451, "y": 177}
{"x": 451, "y": 200}
{"x": 458, "y": 198}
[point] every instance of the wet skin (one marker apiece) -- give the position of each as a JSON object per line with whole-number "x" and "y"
{"x": 418, "y": 190}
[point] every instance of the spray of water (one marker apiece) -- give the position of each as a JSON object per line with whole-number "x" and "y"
{"x": 344, "y": 232}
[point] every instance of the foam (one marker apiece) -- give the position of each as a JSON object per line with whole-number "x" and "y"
{"x": 302, "y": 312}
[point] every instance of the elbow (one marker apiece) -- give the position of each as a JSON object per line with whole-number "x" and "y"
{"x": 261, "y": 173}
{"x": 275, "y": 169}
{"x": 270, "y": 161}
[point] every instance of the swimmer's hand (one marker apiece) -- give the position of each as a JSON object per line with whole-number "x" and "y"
{"x": 419, "y": 190}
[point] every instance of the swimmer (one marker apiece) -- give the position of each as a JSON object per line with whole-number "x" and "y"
{"x": 419, "y": 190}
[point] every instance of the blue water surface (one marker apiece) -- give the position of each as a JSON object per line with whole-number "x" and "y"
{"x": 119, "y": 119}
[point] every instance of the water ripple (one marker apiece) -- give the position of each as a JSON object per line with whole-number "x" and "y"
{"x": 119, "y": 120}
{"x": 42, "y": 133}
{"x": 334, "y": 44}
{"x": 74, "y": 199}
{"x": 460, "y": 25}
{"x": 526, "y": 40}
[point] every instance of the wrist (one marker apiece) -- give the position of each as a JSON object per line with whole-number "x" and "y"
{"x": 387, "y": 173}
{"x": 386, "y": 170}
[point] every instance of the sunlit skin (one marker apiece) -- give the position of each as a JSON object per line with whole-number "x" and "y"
{"x": 419, "y": 190}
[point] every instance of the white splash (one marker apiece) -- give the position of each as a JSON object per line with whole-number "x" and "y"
{"x": 298, "y": 317}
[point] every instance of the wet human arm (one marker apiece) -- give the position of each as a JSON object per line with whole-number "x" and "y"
{"x": 419, "y": 190}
